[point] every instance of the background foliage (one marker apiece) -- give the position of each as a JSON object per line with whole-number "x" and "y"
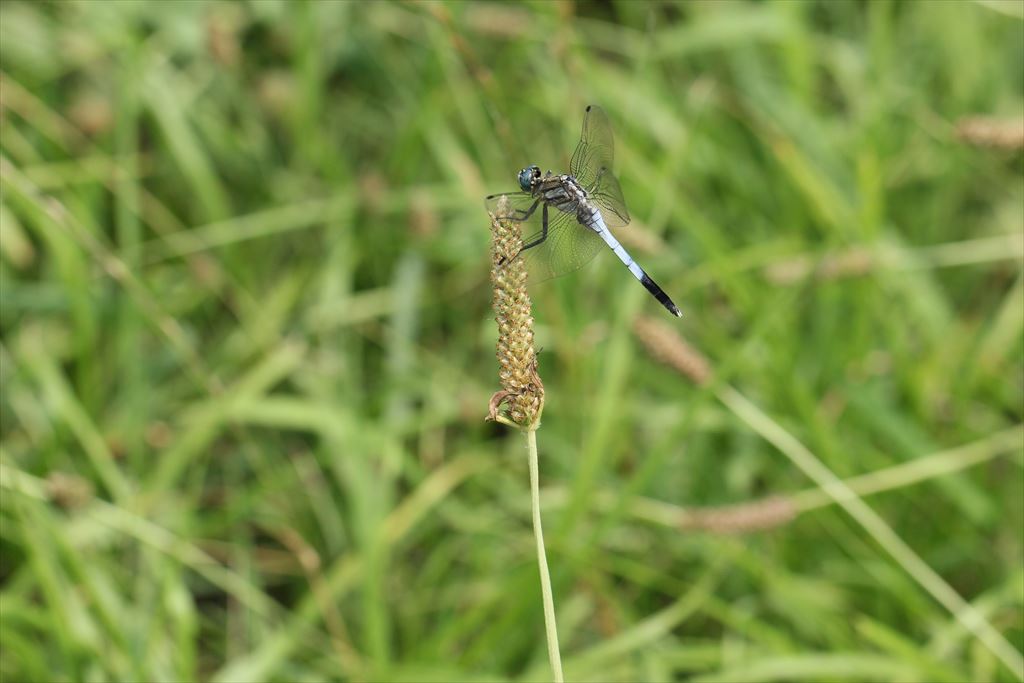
{"x": 246, "y": 343}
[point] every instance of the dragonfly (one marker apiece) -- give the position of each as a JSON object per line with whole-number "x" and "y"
{"x": 570, "y": 216}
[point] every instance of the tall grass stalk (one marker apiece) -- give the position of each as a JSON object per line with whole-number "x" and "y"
{"x": 542, "y": 560}
{"x": 521, "y": 399}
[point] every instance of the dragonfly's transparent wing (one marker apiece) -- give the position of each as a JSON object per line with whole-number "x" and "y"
{"x": 596, "y": 149}
{"x": 566, "y": 246}
{"x": 591, "y": 165}
{"x": 607, "y": 194}
{"x": 516, "y": 205}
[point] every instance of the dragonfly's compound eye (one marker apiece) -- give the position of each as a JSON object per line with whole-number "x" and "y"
{"x": 526, "y": 177}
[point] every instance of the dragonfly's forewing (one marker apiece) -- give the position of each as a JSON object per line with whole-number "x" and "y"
{"x": 596, "y": 149}
{"x": 591, "y": 165}
{"x": 568, "y": 244}
{"x": 515, "y": 204}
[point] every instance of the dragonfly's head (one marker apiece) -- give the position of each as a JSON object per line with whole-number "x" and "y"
{"x": 528, "y": 176}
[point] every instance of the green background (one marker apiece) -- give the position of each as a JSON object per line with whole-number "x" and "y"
{"x": 246, "y": 343}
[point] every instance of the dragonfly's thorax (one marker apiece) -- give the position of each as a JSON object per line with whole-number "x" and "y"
{"x": 564, "y": 192}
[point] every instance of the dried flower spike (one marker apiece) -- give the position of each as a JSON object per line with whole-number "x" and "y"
{"x": 742, "y": 518}
{"x": 522, "y": 392}
{"x": 667, "y": 346}
{"x": 985, "y": 131}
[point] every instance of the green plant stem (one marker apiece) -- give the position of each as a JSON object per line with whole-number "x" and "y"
{"x": 542, "y": 560}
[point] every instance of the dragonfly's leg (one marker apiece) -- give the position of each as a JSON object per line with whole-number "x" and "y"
{"x": 543, "y": 231}
{"x": 520, "y": 215}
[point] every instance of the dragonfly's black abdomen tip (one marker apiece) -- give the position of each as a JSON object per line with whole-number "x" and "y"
{"x": 659, "y": 294}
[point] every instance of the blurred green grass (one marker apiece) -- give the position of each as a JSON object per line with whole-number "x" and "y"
{"x": 246, "y": 342}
